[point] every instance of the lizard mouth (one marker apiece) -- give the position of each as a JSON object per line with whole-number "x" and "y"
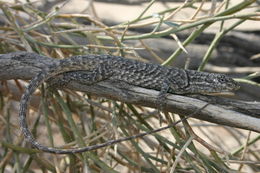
{"x": 222, "y": 93}
{"x": 228, "y": 92}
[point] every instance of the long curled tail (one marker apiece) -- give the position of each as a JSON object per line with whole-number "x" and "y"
{"x": 33, "y": 85}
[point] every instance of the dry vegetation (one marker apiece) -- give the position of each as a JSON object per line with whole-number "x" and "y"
{"x": 70, "y": 118}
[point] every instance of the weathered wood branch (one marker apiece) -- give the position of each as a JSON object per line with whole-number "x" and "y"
{"x": 235, "y": 113}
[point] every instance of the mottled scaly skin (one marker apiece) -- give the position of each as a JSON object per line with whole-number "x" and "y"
{"x": 90, "y": 69}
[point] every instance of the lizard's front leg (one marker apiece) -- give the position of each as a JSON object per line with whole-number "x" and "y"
{"x": 162, "y": 95}
{"x": 161, "y": 99}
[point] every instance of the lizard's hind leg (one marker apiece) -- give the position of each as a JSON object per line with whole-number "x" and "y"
{"x": 82, "y": 76}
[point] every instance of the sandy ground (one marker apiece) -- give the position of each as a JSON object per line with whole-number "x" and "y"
{"x": 123, "y": 13}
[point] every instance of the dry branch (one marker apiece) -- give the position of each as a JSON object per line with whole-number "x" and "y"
{"x": 236, "y": 113}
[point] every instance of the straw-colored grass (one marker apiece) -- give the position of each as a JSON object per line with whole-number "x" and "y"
{"x": 71, "y": 119}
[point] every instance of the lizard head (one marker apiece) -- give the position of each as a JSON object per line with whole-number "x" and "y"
{"x": 208, "y": 83}
{"x": 224, "y": 85}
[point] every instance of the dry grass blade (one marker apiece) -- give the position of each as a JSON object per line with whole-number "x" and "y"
{"x": 73, "y": 119}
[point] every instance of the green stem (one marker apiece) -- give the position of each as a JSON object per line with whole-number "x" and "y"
{"x": 215, "y": 42}
{"x": 185, "y": 43}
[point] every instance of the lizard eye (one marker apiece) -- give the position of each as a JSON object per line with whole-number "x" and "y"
{"x": 222, "y": 79}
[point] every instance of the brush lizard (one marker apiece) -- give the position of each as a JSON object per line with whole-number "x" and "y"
{"x": 90, "y": 69}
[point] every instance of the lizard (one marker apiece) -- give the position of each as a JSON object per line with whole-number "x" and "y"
{"x": 90, "y": 69}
